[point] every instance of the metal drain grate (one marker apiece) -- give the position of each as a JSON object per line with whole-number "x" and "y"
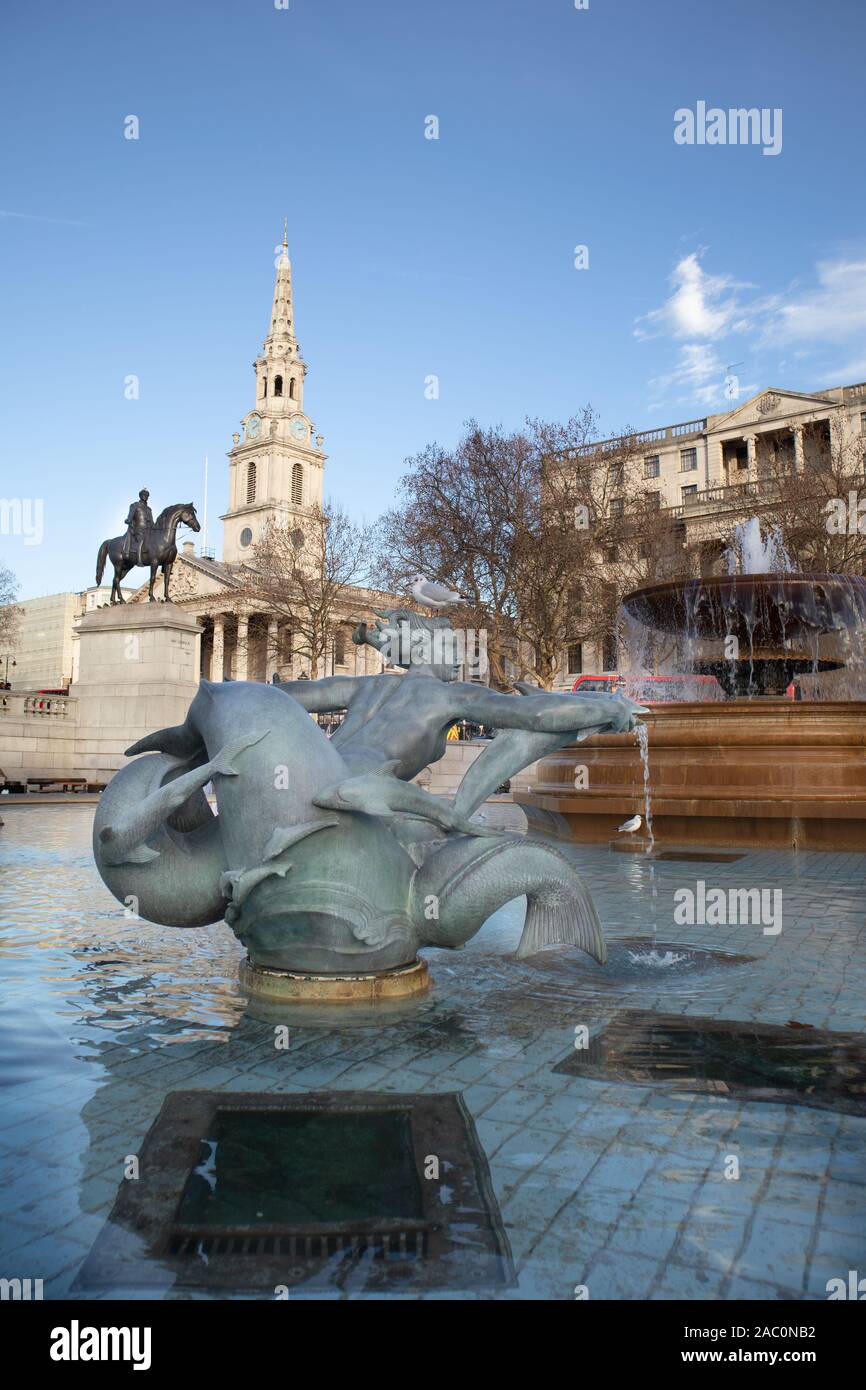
{"x": 748, "y": 1061}
{"x": 410, "y": 1245}
{"x": 256, "y": 1192}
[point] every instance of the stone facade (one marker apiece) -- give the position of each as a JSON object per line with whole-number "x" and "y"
{"x": 710, "y": 473}
{"x": 45, "y": 647}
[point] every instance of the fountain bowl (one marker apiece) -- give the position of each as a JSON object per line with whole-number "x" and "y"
{"x": 783, "y": 768}
{"x": 781, "y": 611}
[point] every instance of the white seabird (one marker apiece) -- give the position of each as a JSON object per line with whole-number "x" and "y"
{"x": 433, "y": 595}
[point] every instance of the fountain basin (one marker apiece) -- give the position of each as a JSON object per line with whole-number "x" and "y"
{"x": 787, "y": 612}
{"x": 740, "y": 774}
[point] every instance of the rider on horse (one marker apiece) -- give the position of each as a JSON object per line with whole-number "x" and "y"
{"x": 139, "y": 520}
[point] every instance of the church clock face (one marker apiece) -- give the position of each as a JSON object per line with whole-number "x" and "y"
{"x": 254, "y": 426}
{"x": 299, "y": 427}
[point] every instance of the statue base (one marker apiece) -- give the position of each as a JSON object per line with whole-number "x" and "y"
{"x": 282, "y": 985}
{"x": 138, "y": 671}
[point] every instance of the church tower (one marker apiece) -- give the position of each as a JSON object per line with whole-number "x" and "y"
{"x": 276, "y": 465}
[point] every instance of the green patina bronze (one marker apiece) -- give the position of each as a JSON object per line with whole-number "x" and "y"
{"x": 324, "y": 857}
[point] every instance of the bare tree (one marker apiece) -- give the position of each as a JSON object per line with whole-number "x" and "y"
{"x": 298, "y": 575}
{"x": 530, "y": 528}
{"x": 816, "y": 509}
{"x": 10, "y": 613}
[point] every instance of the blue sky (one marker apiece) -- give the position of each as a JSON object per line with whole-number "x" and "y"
{"x": 411, "y": 257}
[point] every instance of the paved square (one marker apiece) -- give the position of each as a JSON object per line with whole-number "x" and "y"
{"x": 627, "y": 1191}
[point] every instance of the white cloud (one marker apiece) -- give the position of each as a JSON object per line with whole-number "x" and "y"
{"x": 700, "y": 305}
{"x": 805, "y": 319}
{"x": 831, "y": 312}
{"x": 697, "y": 363}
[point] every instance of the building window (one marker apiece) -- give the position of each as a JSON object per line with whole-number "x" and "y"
{"x": 688, "y": 460}
{"x": 617, "y": 474}
{"x": 251, "y": 482}
{"x": 246, "y": 536}
{"x": 652, "y": 466}
{"x": 654, "y": 501}
{"x": 291, "y": 388}
{"x": 575, "y": 658}
{"x": 278, "y": 385}
{"x": 691, "y": 491}
{"x": 611, "y": 554}
{"x": 264, "y": 386}
{"x": 340, "y": 647}
{"x": 863, "y": 422}
{"x": 297, "y": 485}
{"x": 617, "y": 506}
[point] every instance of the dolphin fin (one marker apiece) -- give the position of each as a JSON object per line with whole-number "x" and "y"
{"x": 287, "y": 835}
{"x": 237, "y": 884}
{"x": 223, "y": 764}
{"x": 180, "y": 741}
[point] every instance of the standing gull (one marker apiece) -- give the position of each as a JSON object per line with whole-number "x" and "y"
{"x": 433, "y": 595}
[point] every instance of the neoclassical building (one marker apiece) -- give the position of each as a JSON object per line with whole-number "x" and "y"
{"x": 276, "y": 474}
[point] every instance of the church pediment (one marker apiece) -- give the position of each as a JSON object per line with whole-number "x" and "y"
{"x": 192, "y": 580}
{"x": 771, "y": 405}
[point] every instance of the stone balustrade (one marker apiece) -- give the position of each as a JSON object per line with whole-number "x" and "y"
{"x": 23, "y": 704}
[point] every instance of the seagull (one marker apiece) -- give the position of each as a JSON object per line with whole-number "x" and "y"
{"x": 629, "y": 826}
{"x": 433, "y": 595}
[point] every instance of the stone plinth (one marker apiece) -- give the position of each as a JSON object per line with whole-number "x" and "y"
{"x": 138, "y": 671}
{"x": 740, "y": 774}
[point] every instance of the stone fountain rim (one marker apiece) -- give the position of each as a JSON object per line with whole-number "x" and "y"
{"x": 761, "y": 579}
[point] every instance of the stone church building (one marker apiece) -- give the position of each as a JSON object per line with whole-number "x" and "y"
{"x": 276, "y": 474}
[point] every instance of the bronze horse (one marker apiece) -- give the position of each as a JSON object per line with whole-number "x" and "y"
{"x": 157, "y": 549}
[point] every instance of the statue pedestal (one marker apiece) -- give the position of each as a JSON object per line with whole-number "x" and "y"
{"x": 282, "y": 986}
{"x": 138, "y": 671}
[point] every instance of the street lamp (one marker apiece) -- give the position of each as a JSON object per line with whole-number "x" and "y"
{"x": 7, "y": 660}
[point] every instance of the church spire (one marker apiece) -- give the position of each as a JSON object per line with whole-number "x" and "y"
{"x": 282, "y": 332}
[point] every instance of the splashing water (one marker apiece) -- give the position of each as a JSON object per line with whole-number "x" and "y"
{"x": 751, "y": 553}
{"x": 656, "y": 959}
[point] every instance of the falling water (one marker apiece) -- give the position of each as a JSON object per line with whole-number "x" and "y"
{"x": 643, "y": 744}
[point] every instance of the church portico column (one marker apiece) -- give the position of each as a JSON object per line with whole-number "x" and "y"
{"x": 242, "y": 648}
{"x": 798, "y": 449}
{"x": 217, "y": 659}
{"x": 272, "y": 652}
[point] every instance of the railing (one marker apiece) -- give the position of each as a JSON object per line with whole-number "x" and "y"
{"x": 607, "y": 446}
{"x": 20, "y": 704}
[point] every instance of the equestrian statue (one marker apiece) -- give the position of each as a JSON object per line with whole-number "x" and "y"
{"x": 145, "y": 542}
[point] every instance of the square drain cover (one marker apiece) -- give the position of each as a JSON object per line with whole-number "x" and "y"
{"x": 254, "y": 1192}
{"x": 749, "y": 1061}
